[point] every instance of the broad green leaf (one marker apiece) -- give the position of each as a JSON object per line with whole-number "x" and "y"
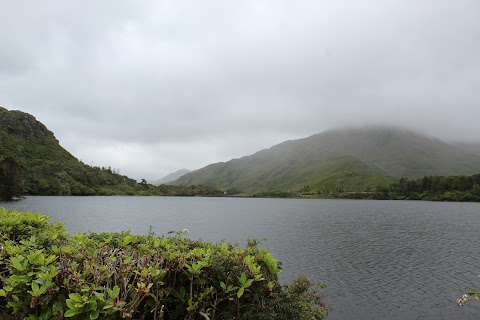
{"x": 242, "y": 279}
{"x": 92, "y": 305}
{"x": 114, "y": 292}
{"x": 270, "y": 285}
{"x": 231, "y": 288}
{"x": 36, "y": 258}
{"x": 240, "y": 292}
{"x": 50, "y": 259}
{"x": 76, "y": 297}
{"x": 248, "y": 283}
{"x": 99, "y": 296}
{"x": 80, "y": 238}
{"x": 18, "y": 264}
{"x": 36, "y": 290}
{"x": 68, "y": 250}
{"x": 127, "y": 240}
{"x": 94, "y": 314}
{"x": 70, "y": 304}
{"x": 19, "y": 279}
{"x": 259, "y": 277}
{"x": 72, "y": 313}
{"x": 179, "y": 294}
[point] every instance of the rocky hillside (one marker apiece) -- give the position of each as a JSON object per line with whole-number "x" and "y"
{"x": 46, "y": 168}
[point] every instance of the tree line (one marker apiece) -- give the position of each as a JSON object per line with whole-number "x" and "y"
{"x": 10, "y": 178}
{"x": 436, "y": 188}
{"x": 72, "y": 177}
{"x": 432, "y": 188}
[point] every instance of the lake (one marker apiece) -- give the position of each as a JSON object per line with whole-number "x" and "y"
{"x": 379, "y": 259}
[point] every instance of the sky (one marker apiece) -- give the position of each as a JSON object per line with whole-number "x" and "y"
{"x": 150, "y": 87}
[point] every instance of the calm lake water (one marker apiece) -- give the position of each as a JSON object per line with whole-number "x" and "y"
{"x": 379, "y": 259}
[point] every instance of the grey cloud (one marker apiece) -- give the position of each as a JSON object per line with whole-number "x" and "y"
{"x": 146, "y": 74}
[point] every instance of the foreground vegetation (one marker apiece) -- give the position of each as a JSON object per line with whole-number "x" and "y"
{"x": 45, "y": 273}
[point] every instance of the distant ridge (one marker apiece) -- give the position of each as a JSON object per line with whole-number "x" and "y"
{"x": 350, "y": 159}
{"x": 171, "y": 177}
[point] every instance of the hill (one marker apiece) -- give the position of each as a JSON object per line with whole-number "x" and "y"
{"x": 348, "y": 159}
{"x": 46, "y": 168}
{"x": 470, "y": 147}
{"x": 170, "y": 177}
{"x": 33, "y": 162}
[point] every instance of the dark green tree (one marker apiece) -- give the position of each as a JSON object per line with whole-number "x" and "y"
{"x": 10, "y": 179}
{"x": 143, "y": 183}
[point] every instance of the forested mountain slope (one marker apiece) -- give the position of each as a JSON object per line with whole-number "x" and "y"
{"x": 46, "y": 168}
{"x": 33, "y": 162}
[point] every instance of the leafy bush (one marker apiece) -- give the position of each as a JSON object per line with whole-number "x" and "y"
{"x": 47, "y": 274}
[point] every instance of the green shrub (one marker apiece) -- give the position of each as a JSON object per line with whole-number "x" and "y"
{"x": 47, "y": 274}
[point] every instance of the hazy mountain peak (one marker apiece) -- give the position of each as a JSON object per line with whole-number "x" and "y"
{"x": 376, "y": 129}
{"x": 346, "y": 156}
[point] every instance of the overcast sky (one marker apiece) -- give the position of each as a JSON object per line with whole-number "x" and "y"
{"x": 150, "y": 87}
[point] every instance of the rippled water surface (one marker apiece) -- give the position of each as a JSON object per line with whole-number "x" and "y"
{"x": 379, "y": 259}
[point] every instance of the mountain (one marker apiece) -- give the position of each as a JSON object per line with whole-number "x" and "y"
{"x": 46, "y": 168}
{"x": 352, "y": 159}
{"x": 170, "y": 177}
{"x": 470, "y": 147}
{"x": 33, "y": 162}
